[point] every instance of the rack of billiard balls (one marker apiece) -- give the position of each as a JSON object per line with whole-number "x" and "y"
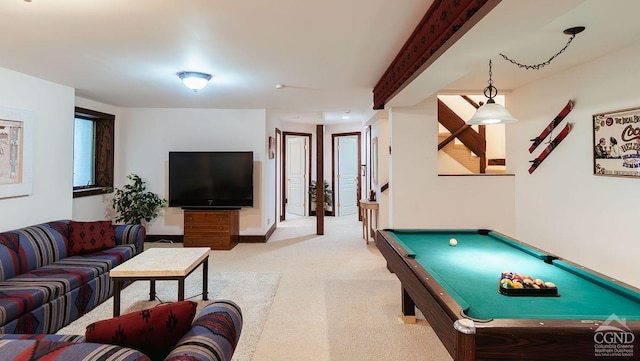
{"x": 514, "y": 284}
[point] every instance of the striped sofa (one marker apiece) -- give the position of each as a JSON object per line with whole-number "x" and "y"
{"x": 42, "y": 289}
{"x": 213, "y": 336}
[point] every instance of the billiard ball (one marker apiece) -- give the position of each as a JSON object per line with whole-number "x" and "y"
{"x": 453, "y": 242}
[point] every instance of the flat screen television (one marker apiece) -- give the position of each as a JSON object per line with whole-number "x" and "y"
{"x": 210, "y": 179}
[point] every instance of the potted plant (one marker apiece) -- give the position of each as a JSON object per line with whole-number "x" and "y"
{"x": 328, "y": 203}
{"x": 133, "y": 203}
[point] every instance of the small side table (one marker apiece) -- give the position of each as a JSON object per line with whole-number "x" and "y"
{"x": 369, "y": 211}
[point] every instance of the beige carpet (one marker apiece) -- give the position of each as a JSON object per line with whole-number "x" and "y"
{"x": 252, "y": 291}
{"x": 368, "y": 319}
{"x": 335, "y": 300}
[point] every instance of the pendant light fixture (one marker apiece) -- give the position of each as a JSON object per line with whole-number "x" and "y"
{"x": 491, "y": 112}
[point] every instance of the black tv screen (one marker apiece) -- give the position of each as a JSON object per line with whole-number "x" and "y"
{"x": 211, "y": 179}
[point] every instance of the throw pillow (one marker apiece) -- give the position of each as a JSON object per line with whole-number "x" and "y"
{"x": 153, "y": 331}
{"x": 87, "y": 237}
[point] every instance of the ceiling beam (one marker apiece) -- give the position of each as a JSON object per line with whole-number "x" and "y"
{"x": 445, "y": 22}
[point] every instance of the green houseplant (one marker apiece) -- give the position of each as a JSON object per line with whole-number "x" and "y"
{"x": 327, "y": 194}
{"x": 133, "y": 203}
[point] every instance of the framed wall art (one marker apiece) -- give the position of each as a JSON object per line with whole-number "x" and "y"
{"x": 16, "y": 152}
{"x": 374, "y": 161}
{"x": 616, "y": 141}
{"x": 272, "y": 147}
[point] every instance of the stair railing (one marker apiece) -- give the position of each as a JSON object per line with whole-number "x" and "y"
{"x": 475, "y": 141}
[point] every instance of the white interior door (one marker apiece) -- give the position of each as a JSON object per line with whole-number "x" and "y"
{"x": 347, "y": 175}
{"x": 296, "y": 175}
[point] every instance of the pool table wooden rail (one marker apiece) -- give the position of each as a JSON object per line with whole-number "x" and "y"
{"x": 498, "y": 339}
{"x": 441, "y": 312}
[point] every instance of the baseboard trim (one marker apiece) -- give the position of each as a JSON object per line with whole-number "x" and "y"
{"x": 179, "y": 238}
{"x": 258, "y": 238}
{"x": 175, "y": 238}
{"x": 270, "y": 231}
{"x": 252, "y": 239}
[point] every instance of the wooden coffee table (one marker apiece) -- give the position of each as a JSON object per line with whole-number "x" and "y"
{"x": 161, "y": 264}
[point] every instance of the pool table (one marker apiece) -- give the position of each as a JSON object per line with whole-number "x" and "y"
{"x": 457, "y": 289}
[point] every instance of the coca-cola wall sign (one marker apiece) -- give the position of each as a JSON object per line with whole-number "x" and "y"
{"x": 616, "y": 143}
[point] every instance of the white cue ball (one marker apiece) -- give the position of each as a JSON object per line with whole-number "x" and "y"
{"x": 453, "y": 242}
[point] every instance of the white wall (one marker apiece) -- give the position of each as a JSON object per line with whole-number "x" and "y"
{"x": 94, "y": 207}
{"x": 144, "y": 137}
{"x": 380, "y": 130}
{"x": 52, "y": 108}
{"x": 419, "y": 198}
{"x": 562, "y": 207}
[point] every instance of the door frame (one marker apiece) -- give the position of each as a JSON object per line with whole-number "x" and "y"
{"x": 333, "y": 165}
{"x": 283, "y": 191}
{"x": 279, "y": 195}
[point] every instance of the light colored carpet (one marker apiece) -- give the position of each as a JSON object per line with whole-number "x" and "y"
{"x": 335, "y": 301}
{"x": 368, "y": 319}
{"x": 252, "y": 291}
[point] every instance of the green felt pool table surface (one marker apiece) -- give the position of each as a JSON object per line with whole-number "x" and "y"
{"x": 470, "y": 272}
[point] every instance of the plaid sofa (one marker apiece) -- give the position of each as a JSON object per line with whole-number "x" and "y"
{"x": 42, "y": 289}
{"x": 213, "y": 336}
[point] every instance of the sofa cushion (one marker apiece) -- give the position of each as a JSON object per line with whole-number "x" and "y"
{"x": 153, "y": 331}
{"x": 17, "y": 298}
{"x": 65, "y": 351}
{"x": 62, "y": 277}
{"x": 101, "y": 261}
{"x": 28, "y": 248}
{"x": 42, "y": 337}
{"x": 87, "y": 237}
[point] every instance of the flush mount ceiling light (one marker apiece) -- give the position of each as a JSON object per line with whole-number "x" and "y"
{"x": 194, "y": 80}
{"x": 491, "y": 112}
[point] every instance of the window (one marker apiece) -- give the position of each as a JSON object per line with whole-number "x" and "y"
{"x": 92, "y": 152}
{"x": 84, "y": 152}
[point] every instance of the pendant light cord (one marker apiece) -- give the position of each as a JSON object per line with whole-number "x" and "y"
{"x": 570, "y": 31}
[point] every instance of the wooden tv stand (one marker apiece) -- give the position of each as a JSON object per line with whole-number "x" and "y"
{"x": 216, "y": 229}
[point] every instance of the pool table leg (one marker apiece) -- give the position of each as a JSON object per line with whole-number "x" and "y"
{"x": 408, "y": 308}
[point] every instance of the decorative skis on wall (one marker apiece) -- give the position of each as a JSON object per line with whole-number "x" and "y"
{"x": 552, "y": 145}
{"x": 554, "y": 123}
